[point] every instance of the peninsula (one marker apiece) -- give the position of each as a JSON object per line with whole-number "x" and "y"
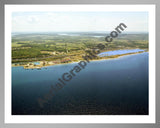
{"x": 34, "y": 51}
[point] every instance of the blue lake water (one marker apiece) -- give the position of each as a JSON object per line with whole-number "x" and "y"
{"x": 98, "y": 36}
{"x": 36, "y": 63}
{"x": 107, "y": 87}
{"x": 119, "y": 52}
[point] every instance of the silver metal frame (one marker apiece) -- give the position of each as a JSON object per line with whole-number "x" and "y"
{"x": 5, "y": 2}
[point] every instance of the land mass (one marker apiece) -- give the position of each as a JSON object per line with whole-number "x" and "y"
{"x": 51, "y": 49}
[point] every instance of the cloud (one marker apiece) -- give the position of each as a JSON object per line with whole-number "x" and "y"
{"x": 77, "y": 21}
{"x": 32, "y": 19}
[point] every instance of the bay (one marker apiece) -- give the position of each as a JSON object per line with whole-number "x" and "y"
{"x": 108, "y": 87}
{"x": 119, "y": 52}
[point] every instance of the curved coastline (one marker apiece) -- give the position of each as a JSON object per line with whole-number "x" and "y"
{"x": 38, "y": 67}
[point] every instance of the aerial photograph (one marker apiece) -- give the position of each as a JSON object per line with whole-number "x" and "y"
{"x": 80, "y": 63}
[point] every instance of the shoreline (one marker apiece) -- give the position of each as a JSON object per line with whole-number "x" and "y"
{"x": 38, "y": 67}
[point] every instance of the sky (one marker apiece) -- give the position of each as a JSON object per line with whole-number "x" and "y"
{"x": 78, "y": 21}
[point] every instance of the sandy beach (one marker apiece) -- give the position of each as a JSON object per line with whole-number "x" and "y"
{"x": 31, "y": 65}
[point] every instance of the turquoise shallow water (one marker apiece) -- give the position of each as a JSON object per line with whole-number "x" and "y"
{"x": 36, "y": 63}
{"x": 107, "y": 87}
{"x": 119, "y": 52}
